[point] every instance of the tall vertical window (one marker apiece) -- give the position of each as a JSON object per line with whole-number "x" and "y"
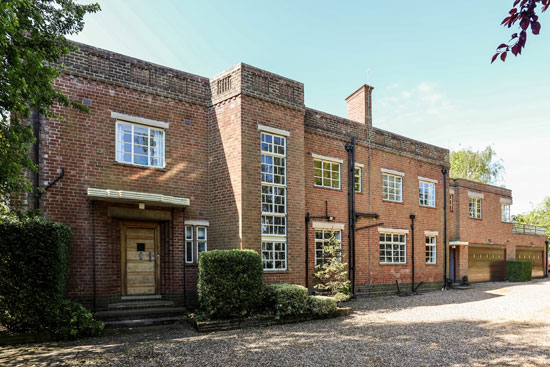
{"x": 357, "y": 179}
{"x": 426, "y": 193}
{"x": 393, "y": 248}
{"x": 201, "y": 241}
{"x": 273, "y": 205}
{"x": 322, "y": 239}
{"x": 140, "y": 145}
{"x": 505, "y": 213}
{"x": 475, "y": 208}
{"x": 430, "y": 249}
{"x": 451, "y": 199}
{"x": 392, "y": 187}
{"x": 189, "y": 244}
{"x": 326, "y": 174}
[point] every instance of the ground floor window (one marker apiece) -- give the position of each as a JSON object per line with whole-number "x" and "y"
{"x": 430, "y": 249}
{"x": 393, "y": 248}
{"x": 323, "y": 238}
{"x": 274, "y": 255}
{"x": 195, "y": 244}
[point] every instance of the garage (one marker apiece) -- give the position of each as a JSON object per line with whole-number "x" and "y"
{"x": 536, "y": 257}
{"x": 486, "y": 264}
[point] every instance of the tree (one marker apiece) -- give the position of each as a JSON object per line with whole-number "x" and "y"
{"x": 481, "y": 166}
{"x": 32, "y": 41}
{"x": 539, "y": 216}
{"x": 331, "y": 274}
{"x": 524, "y": 12}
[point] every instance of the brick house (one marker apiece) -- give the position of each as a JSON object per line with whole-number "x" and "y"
{"x": 168, "y": 164}
{"x": 483, "y": 236}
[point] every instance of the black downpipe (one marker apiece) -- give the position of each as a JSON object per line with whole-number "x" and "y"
{"x": 444, "y": 172}
{"x": 412, "y": 216}
{"x": 184, "y": 267}
{"x": 546, "y": 258}
{"x": 350, "y": 148}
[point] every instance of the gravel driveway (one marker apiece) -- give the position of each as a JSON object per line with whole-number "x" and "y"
{"x": 496, "y": 324}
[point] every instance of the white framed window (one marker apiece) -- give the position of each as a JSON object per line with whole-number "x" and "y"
{"x": 357, "y": 179}
{"x": 273, "y": 201}
{"x": 326, "y": 174}
{"x": 274, "y": 255}
{"x": 431, "y": 249}
{"x": 505, "y": 213}
{"x": 451, "y": 198}
{"x": 189, "y": 248}
{"x": 426, "y": 192}
{"x": 202, "y": 238}
{"x": 139, "y": 145}
{"x": 393, "y": 248}
{"x": 392, "y": 187}
{"x": 322, "y": 238}
{"x": 475, "y": 208}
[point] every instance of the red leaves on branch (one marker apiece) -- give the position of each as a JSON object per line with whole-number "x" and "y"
{"x": 523, "y": 11}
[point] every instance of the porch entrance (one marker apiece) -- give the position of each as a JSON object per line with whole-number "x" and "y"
{"x": 140, "y": 258}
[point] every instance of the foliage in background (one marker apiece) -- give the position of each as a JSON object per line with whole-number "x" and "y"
{"x": 32, "y": 40}
{"x": 331, "y": 275}
{"x": 539, "y": 216}
{"x": 286, "y": 299}
{"x": 524, "y": 12}
{"x": 481, "y": 166}
{"x": 518, "y": 271}
{"x": 34, "y": 266}
{"x": 230, "y": 282}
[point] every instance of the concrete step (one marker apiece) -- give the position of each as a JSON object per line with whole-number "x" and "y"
{"x": 144, "y": 322}
{"x": 140, "y": 313}
{"x": 130, "y": 305}
{"x": 141, "y": 298}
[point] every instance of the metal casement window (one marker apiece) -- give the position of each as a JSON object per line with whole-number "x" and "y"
{"x": 392, "y": 187}
{"x": 426, "y": 191}
{"x": 357, "y": 179}
{"x": 322, "y": 238}
{"x": 451, "y": 197}
{"x": 475, "y": 208}
{"x": 505, "y": 213}
{"x": 326, "y": 174}
{"x": 189, "y": 248}
{"x": 139, "y": 145}
{"x": 201, "y": 240}
{"x": 273, "y": 201}
{"x": 393, "y": 248}
{"x": 431, "y": 249}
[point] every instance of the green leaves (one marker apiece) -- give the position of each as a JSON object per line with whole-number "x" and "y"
{"x": 481, "y": 166}
{"x": 32, "y": 42}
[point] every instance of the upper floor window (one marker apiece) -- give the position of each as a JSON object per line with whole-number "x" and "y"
{"x": 326, "y": 174}
{"x": 426, "y": 193}
{"x": 475, "y": 208}
{"x": 505, "y": 213}
{"x": 392, "y": 187}
{"x": 139, "y": 145}
{"x": 357, "y": 179}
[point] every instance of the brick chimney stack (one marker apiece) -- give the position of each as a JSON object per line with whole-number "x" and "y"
{"x": 360, "y": 105}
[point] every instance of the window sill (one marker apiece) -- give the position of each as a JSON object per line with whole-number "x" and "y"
{"x": 475, "y": 218}
{"x": 276, "y": 271}
{"x": 328, "y": 188}
{"x": 391, "y": 201}
{"x": 116, "y": 163}
{"x": 427, "y": 206}
{"x": 393, "y": 264}
{"x": 431, "y": 263}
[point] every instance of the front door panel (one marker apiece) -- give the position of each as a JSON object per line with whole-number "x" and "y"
{"x": 140, "y": 253}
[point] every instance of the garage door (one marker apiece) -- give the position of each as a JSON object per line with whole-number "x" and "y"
{"x": 486, "y": 264}
{"x": 536, "y": 257}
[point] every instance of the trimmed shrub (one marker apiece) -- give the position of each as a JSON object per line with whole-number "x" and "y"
{"x": 230, "y": 282}
{"x": 518, "y": 271}
{"x": 286, "y": 299}
{"x": 74, "y": 321}
{"x": 321, "y": 306}
{"x": 34, "y": 264}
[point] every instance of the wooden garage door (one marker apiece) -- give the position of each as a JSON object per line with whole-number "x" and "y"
{"x": 536, "y": 257}
{"x": 486, "y": 264}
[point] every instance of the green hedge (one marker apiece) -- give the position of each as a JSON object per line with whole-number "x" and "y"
{"x": 230, "y": 282}
{"x": 518, "y": 271}
{"x": 34, "y": 265}
{"x": 286, "y": 299}
{"x": 322, "y": 306}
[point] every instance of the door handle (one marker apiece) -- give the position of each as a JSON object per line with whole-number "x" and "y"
{"x": 150, "y": 255}
{"x": 141, "y": 255}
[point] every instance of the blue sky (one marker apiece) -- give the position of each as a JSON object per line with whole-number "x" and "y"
{"x": 428, "y": 61}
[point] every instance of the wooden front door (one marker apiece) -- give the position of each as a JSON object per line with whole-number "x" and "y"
{"x": 140, "y": 260}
